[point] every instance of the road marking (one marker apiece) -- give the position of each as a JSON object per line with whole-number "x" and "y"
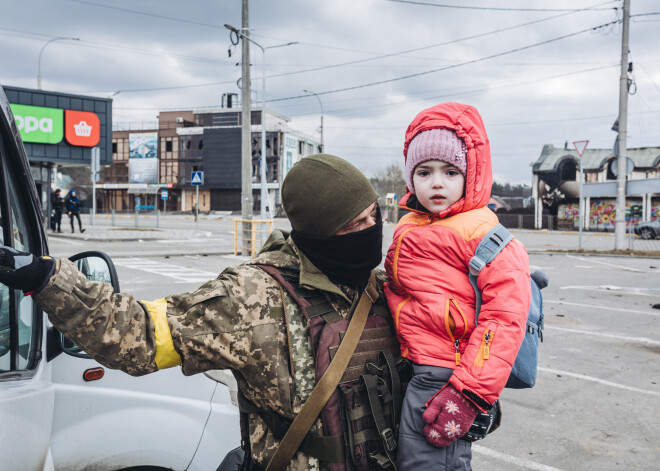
{"x": 188, "y": 241}
{"x": 179, "y": 273}
{"x": 592, "y": 260}
{"x": 606, "y": 308}
{"x": 618, "y": 337}
{"x": 64, "y": 241}
{"x": 521, "y": 462}
{"x": 618, "y": 289}
{"x": 600, "y": 381}
{"x": 538, "y": 267}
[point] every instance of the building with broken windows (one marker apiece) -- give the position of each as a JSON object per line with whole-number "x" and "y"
{"x": 187, "y": 141}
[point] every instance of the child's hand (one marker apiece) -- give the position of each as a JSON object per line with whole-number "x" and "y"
{"x": 448, "y": 416}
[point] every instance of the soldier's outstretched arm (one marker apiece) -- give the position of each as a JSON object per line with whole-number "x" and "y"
{"x": 209, "y": 328}
{"x": 114, "y": 328}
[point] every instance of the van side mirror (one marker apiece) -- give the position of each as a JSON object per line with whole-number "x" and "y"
{"x": 96, "y": 266}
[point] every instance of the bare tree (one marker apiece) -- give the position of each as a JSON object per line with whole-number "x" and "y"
{"x": 390, "y": 180}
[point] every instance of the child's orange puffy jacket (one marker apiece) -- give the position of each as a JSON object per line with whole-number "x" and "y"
{"x": 430, "y": 296}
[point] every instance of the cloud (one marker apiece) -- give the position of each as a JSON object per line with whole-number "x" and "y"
{"x": 166, "y": 54}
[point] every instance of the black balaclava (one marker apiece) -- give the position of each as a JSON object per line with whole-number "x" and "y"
{"x": 345, "y": 259}
{"x": 320, "y": 194}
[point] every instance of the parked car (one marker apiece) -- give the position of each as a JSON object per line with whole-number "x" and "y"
{"x": 61, "y": 410}
{"x": 648, "y": 229}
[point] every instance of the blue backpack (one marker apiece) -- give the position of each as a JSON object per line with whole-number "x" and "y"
{"x": 523, "y": 373}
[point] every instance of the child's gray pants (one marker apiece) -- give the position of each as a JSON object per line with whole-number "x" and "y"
{"x": 413, "y": 451}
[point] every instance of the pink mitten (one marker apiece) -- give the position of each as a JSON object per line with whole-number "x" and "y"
{"x": 448, "y": 416}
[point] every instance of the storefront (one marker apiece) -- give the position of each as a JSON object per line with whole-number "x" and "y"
{"x": 59, "y": 132}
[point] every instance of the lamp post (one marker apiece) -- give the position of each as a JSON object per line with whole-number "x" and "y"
{"x": 42, "y": 51}
{"x": 320, "y": 103}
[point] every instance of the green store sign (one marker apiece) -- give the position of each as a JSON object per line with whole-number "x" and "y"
{"x": 38, "y": 124}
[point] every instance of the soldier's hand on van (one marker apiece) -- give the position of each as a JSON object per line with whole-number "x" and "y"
{"x": 24, "y": 271}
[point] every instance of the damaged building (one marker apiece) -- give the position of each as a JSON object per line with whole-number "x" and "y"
{"x": 556, "y": 187}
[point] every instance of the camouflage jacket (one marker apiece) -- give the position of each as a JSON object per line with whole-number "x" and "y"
{"x": 239, "y": 321}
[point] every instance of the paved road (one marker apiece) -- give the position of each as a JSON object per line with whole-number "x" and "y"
{"x": 596, "y": 405}
{"x": 180, "y": 234}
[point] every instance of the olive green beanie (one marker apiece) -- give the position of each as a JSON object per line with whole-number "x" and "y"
{"x": 322, "y": 192}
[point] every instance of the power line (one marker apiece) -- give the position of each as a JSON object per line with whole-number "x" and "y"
{"x": 365, "y": 111}
{"x": 466, "y": 7}
{"x": 359, "y": 61}
{"x": 152, "y": 15}
{"x": 446, "y": 43}
{"x": 33, "y": 35}
{"x": 419, "y": 74}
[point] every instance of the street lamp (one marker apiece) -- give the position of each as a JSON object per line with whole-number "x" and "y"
{"x": 42, "y": 51}
{"x": 320, "y": 103}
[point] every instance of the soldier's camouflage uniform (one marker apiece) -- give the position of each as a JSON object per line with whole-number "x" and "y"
{"x": 236, "y": 321}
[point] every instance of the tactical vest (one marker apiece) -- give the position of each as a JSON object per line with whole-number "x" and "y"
{"x": 361, "y": 418}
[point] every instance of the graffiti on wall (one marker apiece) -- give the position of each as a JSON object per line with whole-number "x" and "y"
{"x": 602, "y": 213}
{"x": 655, "y": 209}
{"x": 568, "y": 215}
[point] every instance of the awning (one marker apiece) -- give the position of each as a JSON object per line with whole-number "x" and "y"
{"x": 151, "y": 190}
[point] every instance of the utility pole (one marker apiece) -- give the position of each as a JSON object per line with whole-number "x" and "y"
{"x": 622, "y": 153}
{"x": 246, "y": 134}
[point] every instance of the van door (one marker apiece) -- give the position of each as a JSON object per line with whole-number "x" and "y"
{"x": 26, "y": 392}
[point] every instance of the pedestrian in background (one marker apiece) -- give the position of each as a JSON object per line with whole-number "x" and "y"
{"x": 459, "y": 368}
{"x": 73, "y": 208}
{"x": 57, "y": 202}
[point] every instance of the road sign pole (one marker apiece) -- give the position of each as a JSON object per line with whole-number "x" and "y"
{"x": 581, "y": 206}
{"x": 96, "y": 164}
{"x": 580, "y": 146}
{"x": 197, "y": 179}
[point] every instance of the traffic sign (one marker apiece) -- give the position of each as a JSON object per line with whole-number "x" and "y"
{"x": 580, "y": 146}
{"x": 197, "y": 178}
{"x": 163, "y": 194}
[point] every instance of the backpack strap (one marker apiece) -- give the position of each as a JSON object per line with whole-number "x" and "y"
{"x": 491, "y": 245}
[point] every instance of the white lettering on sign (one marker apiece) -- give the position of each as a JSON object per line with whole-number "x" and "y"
{"x": 30, "y": 124}
{"x": 46, "y": 125}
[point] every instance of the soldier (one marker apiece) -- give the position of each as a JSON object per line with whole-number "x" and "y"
{"x": 242, "y": 319}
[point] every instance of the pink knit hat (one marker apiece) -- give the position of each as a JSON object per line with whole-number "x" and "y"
{"x": 435, "y": 144}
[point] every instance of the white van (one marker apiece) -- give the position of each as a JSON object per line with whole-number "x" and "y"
{"x": 59, "y": 409}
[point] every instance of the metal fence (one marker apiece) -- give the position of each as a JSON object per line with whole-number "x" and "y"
{"x": 592, "y": 239}
{"x": 144, "y": 218}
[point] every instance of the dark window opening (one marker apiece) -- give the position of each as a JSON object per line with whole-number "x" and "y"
{"x": 568, "y": 171}
{"x": 168, "y": 146}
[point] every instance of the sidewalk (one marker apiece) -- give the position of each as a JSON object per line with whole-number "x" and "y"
{"x": 222, "y": 228}
{"x": 126, "y": 234}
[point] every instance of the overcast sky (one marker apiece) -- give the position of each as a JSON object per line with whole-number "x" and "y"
{"x": 539, "y": 72}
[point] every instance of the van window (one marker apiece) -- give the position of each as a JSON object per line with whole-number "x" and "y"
{"x": 17, "y": 312}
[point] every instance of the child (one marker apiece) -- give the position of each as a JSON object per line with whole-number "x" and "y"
{"x": 459, "y": 368}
